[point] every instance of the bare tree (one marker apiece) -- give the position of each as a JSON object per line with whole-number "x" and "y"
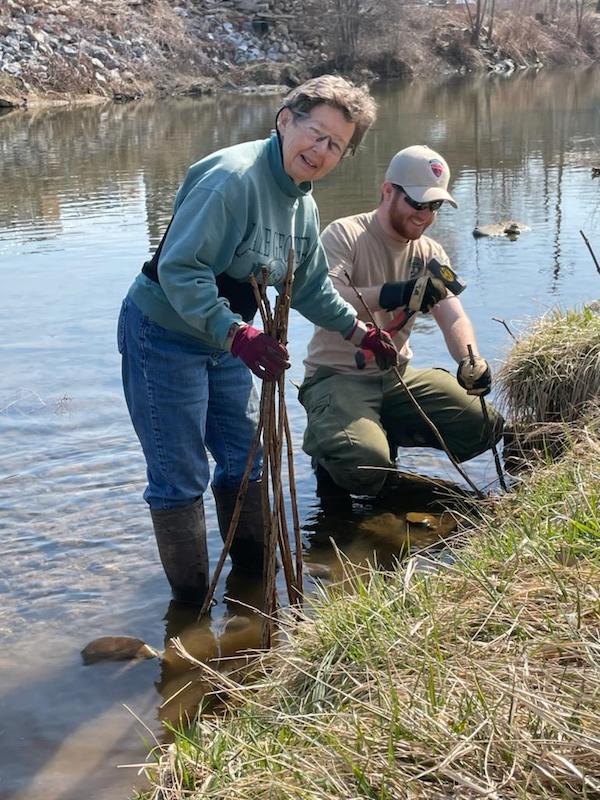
{"x": 348, "y": 25}
{"x": 581, "y": 9}
{"x": 491, "y": 20}
{"x": 476, "y": 19}
{"x": 342, "y": 23}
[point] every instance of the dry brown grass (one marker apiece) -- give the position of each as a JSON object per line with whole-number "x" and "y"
{"x": 165, "y": 46}
{"x": 480, "y": 679}
{"x": 552, "y": 375}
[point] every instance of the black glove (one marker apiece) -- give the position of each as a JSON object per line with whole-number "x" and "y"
{"x": 475, "y": 377}
{"x": 420, "y": 294}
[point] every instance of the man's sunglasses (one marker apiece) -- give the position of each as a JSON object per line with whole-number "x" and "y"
{"x": 434, "y": 205}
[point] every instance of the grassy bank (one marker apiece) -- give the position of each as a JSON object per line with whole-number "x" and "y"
{"x": 474, "y": 678}
{"x": 479, "y": 679}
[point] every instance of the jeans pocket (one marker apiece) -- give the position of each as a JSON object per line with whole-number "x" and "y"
{"x": 121, "y": 328}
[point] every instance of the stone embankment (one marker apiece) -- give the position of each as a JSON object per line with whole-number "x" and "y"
{"x": 61, "y": 50}
{"x": 125, "y": 48}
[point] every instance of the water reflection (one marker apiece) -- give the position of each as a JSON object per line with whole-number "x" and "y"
{"x": 227, "y": 646}
{"x": 341, "y": 546}
{"x": 105, "y": 158}
{"x": 86, "y": 195}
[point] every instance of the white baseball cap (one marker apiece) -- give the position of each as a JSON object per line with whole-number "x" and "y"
{"x": 422, "y": 172}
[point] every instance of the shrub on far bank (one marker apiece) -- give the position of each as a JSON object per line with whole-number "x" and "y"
{"x": 414, "y": 35}
{"x": 589, "y": 37}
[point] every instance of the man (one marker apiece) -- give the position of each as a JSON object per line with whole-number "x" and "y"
{"x": 184, "y": 332}
{"x": 358, "y": 418}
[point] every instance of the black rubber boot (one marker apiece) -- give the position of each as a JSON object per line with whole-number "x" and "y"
{"x": 333, "y": 497}
{"x": 240, "y": 585}
{"x": 181, "y": 539}
{"x": 247, "y": 548}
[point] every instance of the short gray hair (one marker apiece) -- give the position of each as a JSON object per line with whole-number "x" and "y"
{"x": 355, "y": 102}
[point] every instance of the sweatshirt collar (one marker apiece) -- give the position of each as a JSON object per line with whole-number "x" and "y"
{"x": 283, "y": 180}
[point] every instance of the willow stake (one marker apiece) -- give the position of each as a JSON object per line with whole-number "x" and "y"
{"x": 488, "y": 429}
{"x": 274, "y": 426}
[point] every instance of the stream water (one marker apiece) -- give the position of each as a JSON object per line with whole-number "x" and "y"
{"x": 86, "y": 194}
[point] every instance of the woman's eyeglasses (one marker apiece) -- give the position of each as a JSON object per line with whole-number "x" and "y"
{"x": 433, "y": 205}
{"x": 336, "y": 147}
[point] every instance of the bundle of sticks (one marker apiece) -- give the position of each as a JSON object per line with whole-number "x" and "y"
{"x": 274, "y": 429}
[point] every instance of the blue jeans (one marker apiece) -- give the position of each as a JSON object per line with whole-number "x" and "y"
{"x": 186, "y": 399}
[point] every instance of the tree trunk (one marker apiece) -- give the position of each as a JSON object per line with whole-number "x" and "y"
{"x": 492, "y": 12}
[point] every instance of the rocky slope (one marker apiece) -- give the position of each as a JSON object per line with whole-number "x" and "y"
{"x": 52, "y": 50}
{"x": 126, "y": 48}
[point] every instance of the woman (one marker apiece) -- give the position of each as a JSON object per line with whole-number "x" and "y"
{"x": 185, "y": 336}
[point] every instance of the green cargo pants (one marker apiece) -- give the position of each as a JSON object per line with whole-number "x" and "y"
{"x": 356, "y": 421}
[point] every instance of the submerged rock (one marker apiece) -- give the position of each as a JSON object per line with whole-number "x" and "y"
{"x": 508, "y": 228}
{"x": 321, "y": 571}
{"x": 422, "y": 520}
{"x": 441, "y": 524}
{"x": 594, "y": 306}
{"x": 117, "y": 648}
{"x": 385, "y": 525}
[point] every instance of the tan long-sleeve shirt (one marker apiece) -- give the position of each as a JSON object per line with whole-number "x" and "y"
{"x": 360, "y": 246}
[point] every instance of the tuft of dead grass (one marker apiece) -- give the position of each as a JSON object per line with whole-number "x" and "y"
{"x": 478, "y": 679}
{"x": 552, "y": 375}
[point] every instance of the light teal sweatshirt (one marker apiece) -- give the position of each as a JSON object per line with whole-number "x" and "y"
{"x": 236, "y": 212}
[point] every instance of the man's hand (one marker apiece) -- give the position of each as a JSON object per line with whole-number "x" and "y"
{"x": 420, "y": 294}
{"x": 380, "y": 343}
{"x": 266, "y": 357}
{"x": 474, "y": 375}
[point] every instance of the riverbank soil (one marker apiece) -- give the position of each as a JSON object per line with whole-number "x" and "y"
{"x": 62, "y": 50}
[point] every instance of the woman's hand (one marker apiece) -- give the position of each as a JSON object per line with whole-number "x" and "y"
{"x": 266, "y": 357}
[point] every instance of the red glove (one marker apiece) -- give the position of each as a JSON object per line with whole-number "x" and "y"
{"x": 380, "y": 343}
{"x": 260, "y": 352}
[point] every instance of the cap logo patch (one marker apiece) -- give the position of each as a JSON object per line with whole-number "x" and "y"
{"x": 437, "y": 168}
